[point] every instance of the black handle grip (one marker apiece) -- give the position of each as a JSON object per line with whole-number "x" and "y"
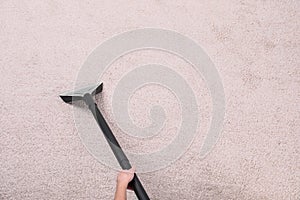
{"x": 138, "y": 188}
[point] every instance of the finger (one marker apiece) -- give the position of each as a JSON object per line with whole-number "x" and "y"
{"x": 132, "y": 170}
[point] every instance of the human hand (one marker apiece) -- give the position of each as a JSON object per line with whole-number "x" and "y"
{"x": 125, "y": 176}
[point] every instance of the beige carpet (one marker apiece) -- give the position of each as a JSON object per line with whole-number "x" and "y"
{"x": 255, "y": 46}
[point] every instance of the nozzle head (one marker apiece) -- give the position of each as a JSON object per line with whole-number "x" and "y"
{"x": 78, "y": 94}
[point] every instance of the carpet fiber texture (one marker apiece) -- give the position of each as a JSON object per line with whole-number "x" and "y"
{"x": 254, "y": 46}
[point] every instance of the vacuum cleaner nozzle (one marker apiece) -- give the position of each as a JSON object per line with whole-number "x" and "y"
{"x": 78, "y": 94}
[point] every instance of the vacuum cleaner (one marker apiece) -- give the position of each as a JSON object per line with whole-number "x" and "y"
{"x": 86, "y": 94}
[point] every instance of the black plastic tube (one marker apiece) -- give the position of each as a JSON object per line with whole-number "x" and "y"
{"x": 115, "y": 147}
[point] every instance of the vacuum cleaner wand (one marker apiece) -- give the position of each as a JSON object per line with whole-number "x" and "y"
{"x": 85, "y": 94}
